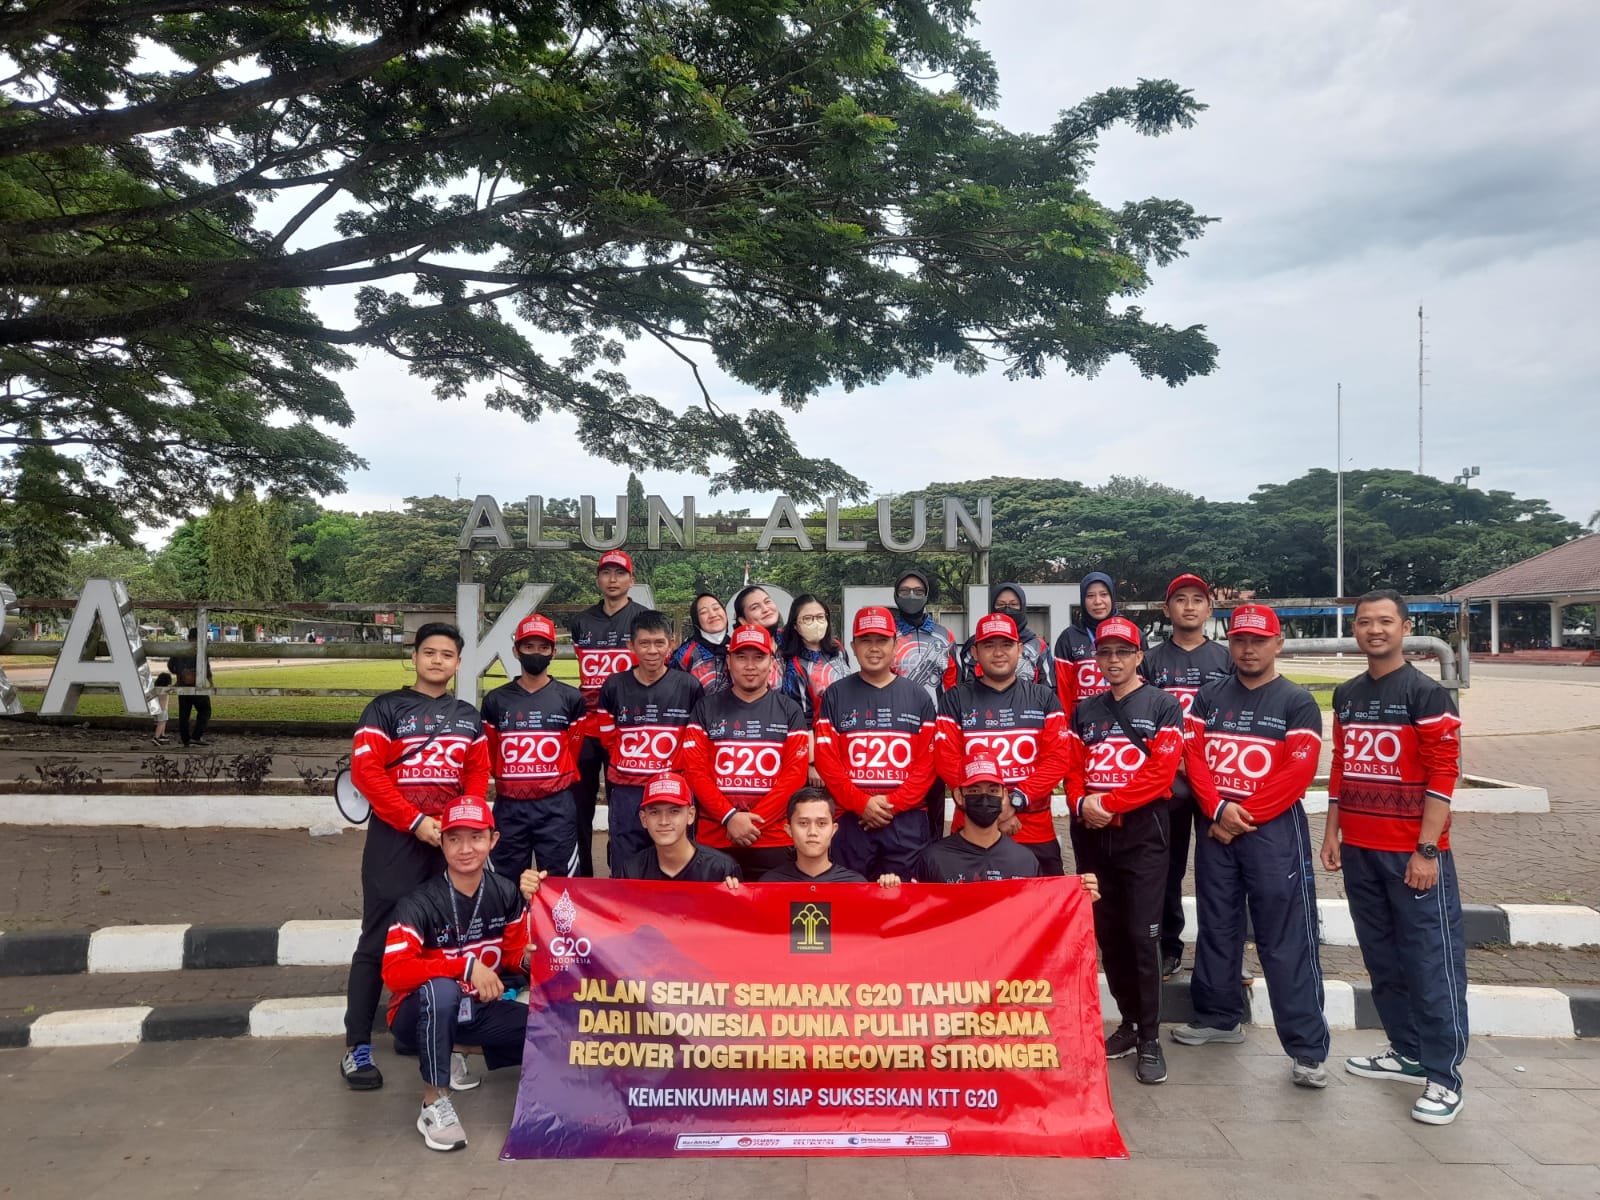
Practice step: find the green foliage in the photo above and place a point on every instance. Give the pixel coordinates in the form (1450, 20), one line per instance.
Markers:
(515, 192)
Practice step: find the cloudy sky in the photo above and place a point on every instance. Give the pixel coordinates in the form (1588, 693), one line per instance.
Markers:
(1362, 157)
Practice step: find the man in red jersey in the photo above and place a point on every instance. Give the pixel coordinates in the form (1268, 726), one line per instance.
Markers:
(600, 642)
(415, 750)
(1123, 748)
(442, 959)
(875, 735)
(1182, 665)
(1251, 754)
(1396, 758)
(643, 711)
(744, 753)
(1017, 723)
(535, 728)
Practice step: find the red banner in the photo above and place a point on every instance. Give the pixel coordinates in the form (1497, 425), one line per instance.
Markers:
(684, 1019)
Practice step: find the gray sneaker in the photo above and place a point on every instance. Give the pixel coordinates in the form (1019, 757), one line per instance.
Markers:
(1387, 1065)
(1310, 1073)
(1200, 1035)
(440, 1127)
(462, 1080)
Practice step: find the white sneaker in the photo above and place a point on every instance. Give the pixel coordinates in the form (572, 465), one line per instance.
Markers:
(462, 1080)
(1309, 1073)
(1387, 1064)
(440, 1127)
(1438, 1105)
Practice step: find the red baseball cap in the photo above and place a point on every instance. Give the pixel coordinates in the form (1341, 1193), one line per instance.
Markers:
(615, 558)
(1254, 619)
(1183, 581)
(535, 625)
(996, 625)
(1117, 629)
(467, 812)
(668, 788)
(873, 622)
(980, 768)
(751, 637)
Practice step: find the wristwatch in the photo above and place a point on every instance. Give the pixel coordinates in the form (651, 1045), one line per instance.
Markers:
(1428, 850)
(1019, 801)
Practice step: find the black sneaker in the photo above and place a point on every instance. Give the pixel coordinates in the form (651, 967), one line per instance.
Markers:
(359, 1071)
(1152, 1064)
(1123, 1041)
(1171, 964)
(199, 742)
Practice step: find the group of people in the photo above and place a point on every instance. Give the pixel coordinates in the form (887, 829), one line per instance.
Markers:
(758, 750)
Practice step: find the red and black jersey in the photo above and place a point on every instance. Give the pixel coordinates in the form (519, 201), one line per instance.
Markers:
(875, 741)
(744, 756)
(1396, 741)
(641, 724)
(810, 673)
(600, 640)
(1022, 728)
(438, 933)
(925, 653)
(1103, 759)
(534, 738)
(1256, 747)
(707, 663)
(413, 754)
(1182, 673)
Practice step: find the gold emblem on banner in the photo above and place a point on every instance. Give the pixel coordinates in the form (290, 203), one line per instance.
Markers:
(808, 927)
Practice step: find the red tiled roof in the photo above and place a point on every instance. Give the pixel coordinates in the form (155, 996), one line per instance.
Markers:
(1570, 569)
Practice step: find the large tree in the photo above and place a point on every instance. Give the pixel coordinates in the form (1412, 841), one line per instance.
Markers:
(503, 195)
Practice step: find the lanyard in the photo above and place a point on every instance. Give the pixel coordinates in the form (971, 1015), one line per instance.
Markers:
(455, 915)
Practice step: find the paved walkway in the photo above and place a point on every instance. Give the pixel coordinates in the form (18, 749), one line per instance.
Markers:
(252, 1118)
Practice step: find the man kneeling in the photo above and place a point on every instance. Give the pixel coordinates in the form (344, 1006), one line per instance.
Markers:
(446, 995)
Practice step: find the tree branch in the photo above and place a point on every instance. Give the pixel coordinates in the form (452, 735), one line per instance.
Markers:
(58, 133)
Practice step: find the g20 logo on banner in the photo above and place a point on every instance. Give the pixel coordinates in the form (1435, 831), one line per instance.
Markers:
(568, 948)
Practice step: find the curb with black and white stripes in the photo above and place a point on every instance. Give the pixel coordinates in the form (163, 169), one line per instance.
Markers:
(124, 948)
(1492, 1011)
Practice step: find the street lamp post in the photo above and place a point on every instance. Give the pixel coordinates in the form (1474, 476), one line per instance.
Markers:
(1338, 510)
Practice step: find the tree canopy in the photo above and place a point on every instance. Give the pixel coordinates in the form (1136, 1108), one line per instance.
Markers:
(802, 192)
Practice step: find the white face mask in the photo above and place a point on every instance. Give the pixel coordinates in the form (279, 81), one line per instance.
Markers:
(714, 639)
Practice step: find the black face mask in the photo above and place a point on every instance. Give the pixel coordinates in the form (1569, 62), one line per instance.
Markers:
(983, 811)
(1014, 613)
(911, 606)
(535, 664)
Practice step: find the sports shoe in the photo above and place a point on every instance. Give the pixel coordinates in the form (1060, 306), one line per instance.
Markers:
(440, 1127)
(1152, 1064)
(359, 1071)
(1438, 1105)
(1200, 1035)
(1123, 1041)
(462, 1080)
(159, 739)
(1386, 1065)
(198, 742)
(1308, 1072)
(1171, 964)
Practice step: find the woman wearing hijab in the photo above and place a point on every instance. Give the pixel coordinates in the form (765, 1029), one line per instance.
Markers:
(1077, 675)
(813, 657)
(704, 653)
(1037, 664)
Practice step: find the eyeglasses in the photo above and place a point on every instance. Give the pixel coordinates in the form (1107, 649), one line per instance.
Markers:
(1114, 652)
(912, 592)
